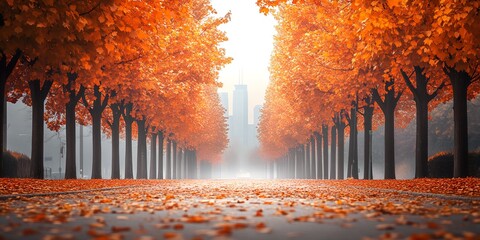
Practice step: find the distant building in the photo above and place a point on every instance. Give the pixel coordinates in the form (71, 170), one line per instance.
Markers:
(240, 114)
(256, 114)
(224, 101)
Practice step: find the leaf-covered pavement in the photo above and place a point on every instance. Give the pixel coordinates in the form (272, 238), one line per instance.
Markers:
(242, 209)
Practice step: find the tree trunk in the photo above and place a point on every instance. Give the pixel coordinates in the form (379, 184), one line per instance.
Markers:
(390, 143)
(74, 97)
(291, 163)
(160, 155)
(367, 126)
(185, 164)
(353, 148)
(319, 154)
(460, 82)
(128, 141)
(188, 158)
(153, 155)
(174, 159)
(117, 110)
(313, 165)
(168, 174)
(70, 162)
(333, 153)
(195, 164)
(307, 161)
(141, 150)
(325, 151)
(341, 145)
(5, 70)
(96, 110)
(116, 146)
(388, 108)
(180, 164)
(97, 144)
(421, 98)
(300, 163)
(38, 94)
(421, 148)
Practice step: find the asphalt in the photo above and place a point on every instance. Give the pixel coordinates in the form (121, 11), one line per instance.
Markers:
(239, 209)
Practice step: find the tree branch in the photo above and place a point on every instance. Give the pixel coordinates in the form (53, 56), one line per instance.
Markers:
(13, 61)
(81, 92)
(91, 10)
(47, 84)
(409, 83)
(128, 60)
(105, 102)
(435, 93)
(376, 97)
(85, 103)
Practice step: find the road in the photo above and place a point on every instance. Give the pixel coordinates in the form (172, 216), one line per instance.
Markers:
(240, 209)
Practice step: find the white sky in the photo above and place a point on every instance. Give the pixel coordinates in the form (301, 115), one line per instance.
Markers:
(250, 44)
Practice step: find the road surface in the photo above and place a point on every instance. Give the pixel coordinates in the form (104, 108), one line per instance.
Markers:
(240, 209)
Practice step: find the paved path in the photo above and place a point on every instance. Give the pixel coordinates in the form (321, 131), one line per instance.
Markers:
(239, 209)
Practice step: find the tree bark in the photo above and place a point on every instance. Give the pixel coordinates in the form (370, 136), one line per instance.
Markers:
(160, 154)
(153, 155)
(460, 81)
(38, 94)
(74, 97)
(127, 117)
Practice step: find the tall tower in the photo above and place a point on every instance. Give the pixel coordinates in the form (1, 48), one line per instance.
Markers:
(240, 112)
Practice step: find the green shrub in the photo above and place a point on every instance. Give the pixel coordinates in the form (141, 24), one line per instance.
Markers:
(15, 165)
(440, 165)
